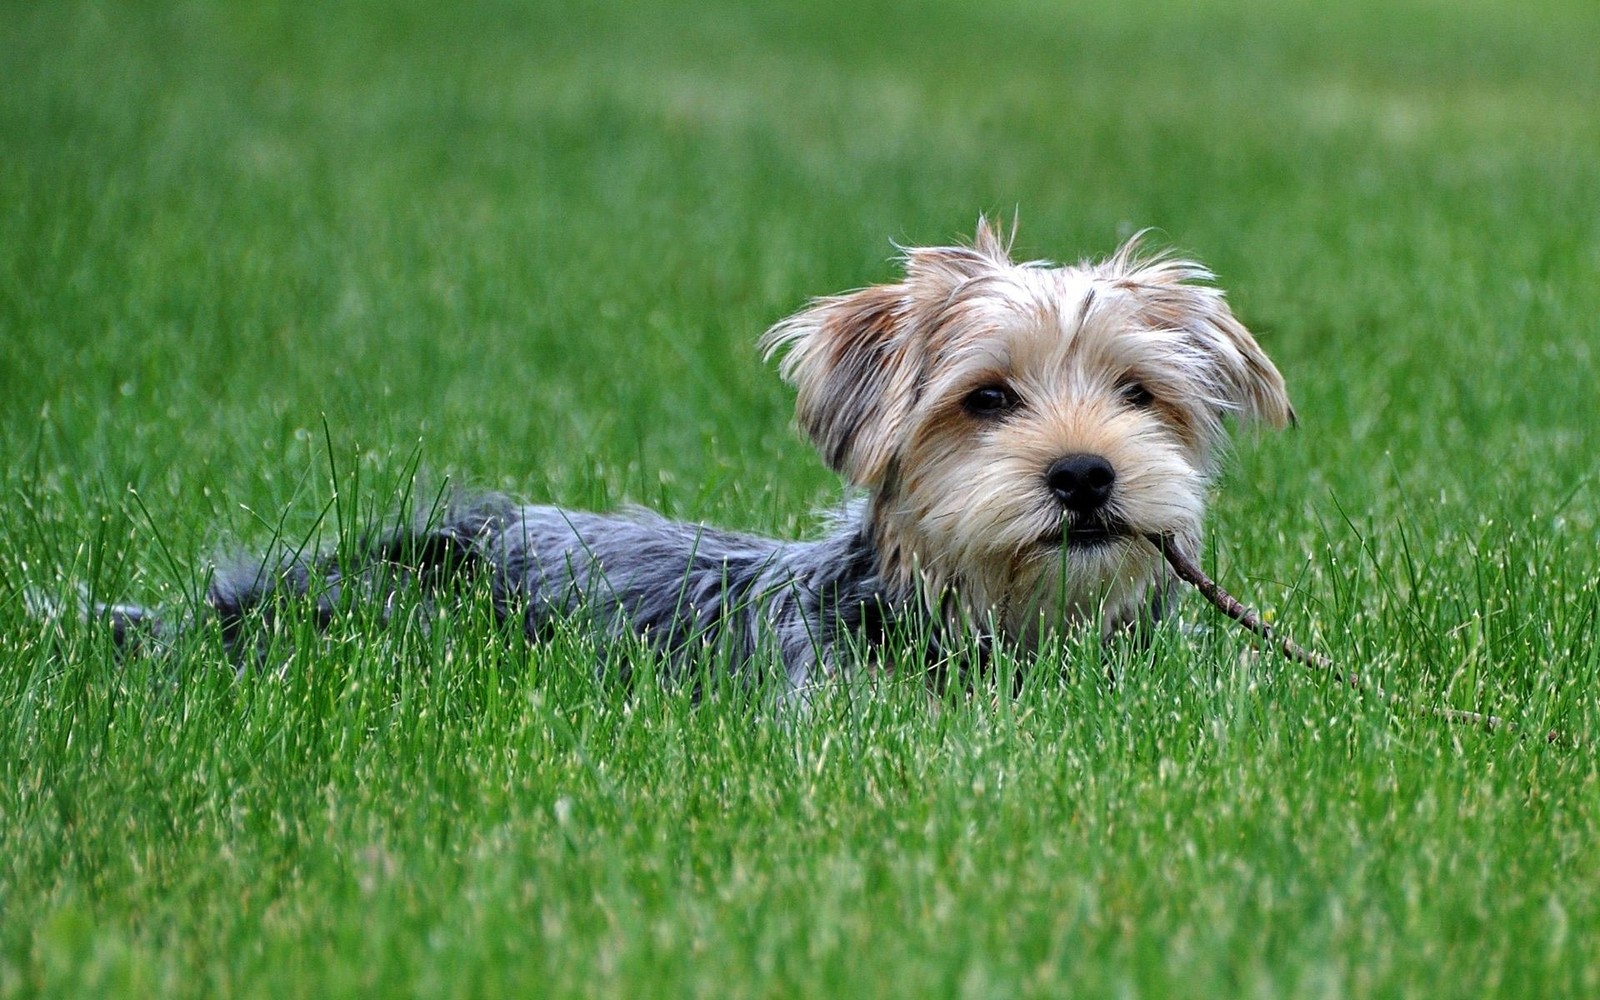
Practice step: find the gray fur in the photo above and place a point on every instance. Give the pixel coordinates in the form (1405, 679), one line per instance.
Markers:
(687, 590)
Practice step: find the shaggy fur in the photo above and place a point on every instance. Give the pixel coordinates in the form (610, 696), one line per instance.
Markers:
(1015, 433)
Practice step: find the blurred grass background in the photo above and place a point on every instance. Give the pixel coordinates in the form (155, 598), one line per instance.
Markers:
(530, 246)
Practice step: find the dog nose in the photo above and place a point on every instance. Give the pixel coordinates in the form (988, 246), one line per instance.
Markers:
(1081, 482)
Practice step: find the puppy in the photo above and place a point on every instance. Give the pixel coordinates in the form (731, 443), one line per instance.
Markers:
(1015, 434)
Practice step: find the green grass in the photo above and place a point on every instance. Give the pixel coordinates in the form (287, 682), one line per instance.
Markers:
(252, 255)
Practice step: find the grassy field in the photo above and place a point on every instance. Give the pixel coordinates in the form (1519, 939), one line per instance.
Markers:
(255, 258)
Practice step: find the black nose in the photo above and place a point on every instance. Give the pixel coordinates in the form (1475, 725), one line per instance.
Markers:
(1081, 482)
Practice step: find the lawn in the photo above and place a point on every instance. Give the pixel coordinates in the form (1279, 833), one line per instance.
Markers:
(280, 269)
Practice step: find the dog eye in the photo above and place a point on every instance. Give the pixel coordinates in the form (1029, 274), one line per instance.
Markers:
(991, 401)
(1137, 395)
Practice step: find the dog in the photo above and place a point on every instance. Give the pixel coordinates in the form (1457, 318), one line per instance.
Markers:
(1015, 437)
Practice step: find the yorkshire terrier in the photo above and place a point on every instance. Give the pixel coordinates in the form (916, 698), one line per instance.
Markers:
(1017, 436)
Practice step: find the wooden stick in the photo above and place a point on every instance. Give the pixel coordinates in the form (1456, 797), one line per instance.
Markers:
(1229, 605)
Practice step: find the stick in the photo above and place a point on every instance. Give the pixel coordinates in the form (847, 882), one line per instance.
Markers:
(1229, 605)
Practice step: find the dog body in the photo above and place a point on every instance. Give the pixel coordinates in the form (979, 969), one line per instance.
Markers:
(686, 589)
(1016, 434)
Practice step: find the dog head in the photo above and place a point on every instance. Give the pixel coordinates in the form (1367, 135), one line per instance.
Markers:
(1022, 428)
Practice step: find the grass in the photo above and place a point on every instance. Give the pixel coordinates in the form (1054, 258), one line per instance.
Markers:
(256, 257)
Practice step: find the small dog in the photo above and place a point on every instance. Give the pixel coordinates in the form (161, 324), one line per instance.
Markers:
(1017, 433)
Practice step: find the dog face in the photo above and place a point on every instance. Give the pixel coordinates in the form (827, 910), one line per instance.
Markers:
(1022, 429)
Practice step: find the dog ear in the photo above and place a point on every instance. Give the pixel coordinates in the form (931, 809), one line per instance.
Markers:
(1171, 293)
(1258, 385)
(854, 365)
(856, 359)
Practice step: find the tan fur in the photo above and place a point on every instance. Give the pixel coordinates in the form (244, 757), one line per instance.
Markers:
(960, 504)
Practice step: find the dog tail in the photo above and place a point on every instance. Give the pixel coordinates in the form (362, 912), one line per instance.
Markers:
(432, 552)
(132, 625)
